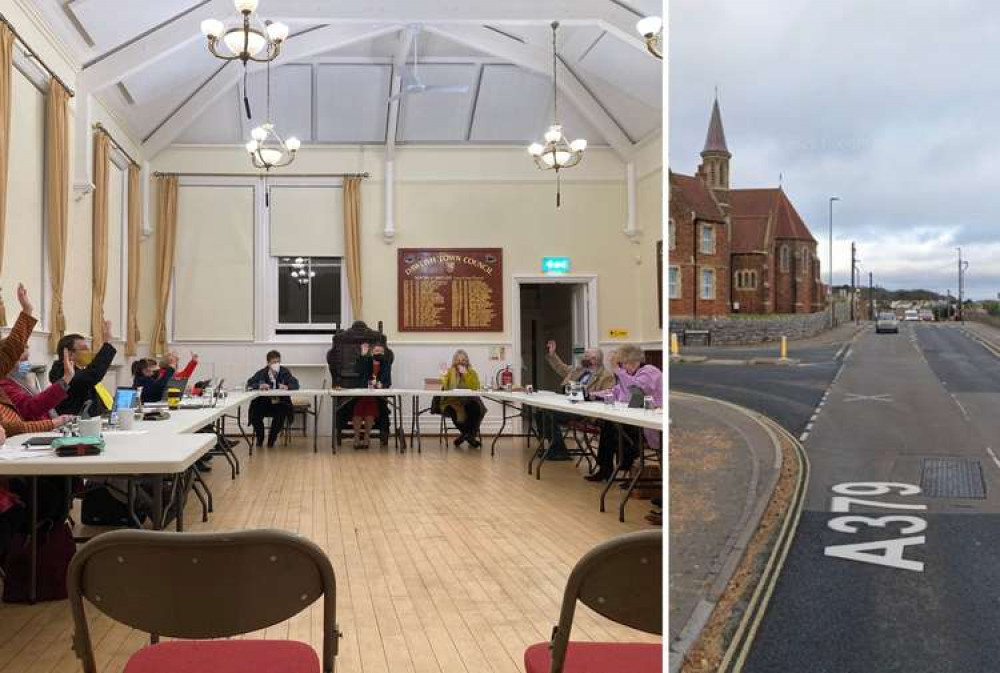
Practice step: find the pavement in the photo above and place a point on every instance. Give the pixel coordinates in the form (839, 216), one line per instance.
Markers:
(895, 565)
(724, 463)
(817, 349)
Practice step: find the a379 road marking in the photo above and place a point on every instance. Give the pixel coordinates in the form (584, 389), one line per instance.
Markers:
(881, 552)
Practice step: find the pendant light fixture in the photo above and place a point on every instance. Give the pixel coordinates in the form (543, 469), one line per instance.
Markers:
(556, 153)
(266, 146)
(651, 29)
(250, 40)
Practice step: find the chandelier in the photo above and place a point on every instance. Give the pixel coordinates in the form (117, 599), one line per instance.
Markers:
(266, 147)
(651, 29)
(249, 41)
(300, 273)
(557, 153)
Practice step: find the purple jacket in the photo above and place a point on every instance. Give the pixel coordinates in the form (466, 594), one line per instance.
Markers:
(647, 378)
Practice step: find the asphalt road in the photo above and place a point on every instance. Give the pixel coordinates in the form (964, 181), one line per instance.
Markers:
(909, 581)
(788, 394)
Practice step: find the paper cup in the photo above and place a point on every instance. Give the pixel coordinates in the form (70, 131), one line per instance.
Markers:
(90, 427)
(126, 419)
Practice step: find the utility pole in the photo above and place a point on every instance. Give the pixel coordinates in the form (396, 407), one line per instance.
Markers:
(871, 297)
(830, 297)
(854, 262)
(962, 266)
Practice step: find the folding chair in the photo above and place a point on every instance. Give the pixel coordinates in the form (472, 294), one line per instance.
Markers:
(200, 586)
(621, 579)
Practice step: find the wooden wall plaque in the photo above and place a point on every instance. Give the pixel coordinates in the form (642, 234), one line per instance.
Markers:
(450, 289)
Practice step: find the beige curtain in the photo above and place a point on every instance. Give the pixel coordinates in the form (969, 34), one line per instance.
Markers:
(57, 199)
(6, 74)
(166, 236)
(352, 242)
(99, 229)
(134, 229)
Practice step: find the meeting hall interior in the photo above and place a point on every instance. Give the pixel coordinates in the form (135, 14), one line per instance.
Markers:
(331, 336)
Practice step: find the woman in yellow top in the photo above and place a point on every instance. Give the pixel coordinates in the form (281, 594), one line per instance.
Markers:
(465, 412)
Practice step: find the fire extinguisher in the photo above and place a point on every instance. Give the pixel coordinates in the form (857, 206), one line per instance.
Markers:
(506, 378)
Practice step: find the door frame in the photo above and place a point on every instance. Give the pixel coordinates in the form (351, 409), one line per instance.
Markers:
(517, 280)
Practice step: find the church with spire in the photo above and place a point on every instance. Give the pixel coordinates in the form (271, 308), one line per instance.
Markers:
(736, 250)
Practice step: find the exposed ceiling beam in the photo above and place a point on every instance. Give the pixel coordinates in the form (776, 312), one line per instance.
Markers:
(150, 48)
(398, 61)
(298, 47)
(539, 60)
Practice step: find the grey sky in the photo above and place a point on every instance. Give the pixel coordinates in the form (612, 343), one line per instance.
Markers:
(893, 105)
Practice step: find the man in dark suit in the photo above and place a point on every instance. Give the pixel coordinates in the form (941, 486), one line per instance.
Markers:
(279, 408)
(90, 371)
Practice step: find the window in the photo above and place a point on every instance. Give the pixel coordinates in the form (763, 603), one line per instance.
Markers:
(672, 235)
(309, 294)
(783, 259)
(707, 239)
(746, 279)
(675, 282)
(708, 283)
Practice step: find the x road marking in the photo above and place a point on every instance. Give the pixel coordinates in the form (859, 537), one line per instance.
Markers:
(853, 397)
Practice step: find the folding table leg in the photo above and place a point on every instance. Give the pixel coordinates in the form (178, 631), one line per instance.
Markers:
(33, 535)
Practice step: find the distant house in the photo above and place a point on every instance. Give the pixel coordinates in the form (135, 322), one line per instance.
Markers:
(737, 250)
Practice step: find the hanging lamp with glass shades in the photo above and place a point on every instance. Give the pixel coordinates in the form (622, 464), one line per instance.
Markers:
(266, 146)
(651, 29)
(251, 39)
(557, 152)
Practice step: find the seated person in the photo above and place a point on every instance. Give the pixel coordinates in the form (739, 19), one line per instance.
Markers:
(632, 373)
(271, 377)
(152, 381)
(591, 374)
(465, 412)
(30, 404)
(376, 368)
(86, 385)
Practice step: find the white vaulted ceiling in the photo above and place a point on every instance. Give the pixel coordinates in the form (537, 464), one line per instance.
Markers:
(148, 62)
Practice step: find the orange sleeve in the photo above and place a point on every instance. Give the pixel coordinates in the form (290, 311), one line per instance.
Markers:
(13, 424)
(13, 346)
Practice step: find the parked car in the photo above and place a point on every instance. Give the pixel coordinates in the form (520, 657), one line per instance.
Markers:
(911, 314)
(926, 315)
(886, 322)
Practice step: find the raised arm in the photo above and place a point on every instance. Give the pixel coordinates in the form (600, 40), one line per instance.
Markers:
(13, 346)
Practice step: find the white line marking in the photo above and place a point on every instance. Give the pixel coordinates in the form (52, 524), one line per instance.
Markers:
(804, 436)
(809, 427)
(964, 412)
(993, 456)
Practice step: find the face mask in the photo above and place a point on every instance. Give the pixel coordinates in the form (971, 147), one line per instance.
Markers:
(275, 366)
(84, 358)
(23, 368)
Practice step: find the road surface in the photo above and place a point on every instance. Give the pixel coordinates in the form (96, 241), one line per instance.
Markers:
(909, 579)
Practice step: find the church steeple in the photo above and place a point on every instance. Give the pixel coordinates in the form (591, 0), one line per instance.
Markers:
(715, 157)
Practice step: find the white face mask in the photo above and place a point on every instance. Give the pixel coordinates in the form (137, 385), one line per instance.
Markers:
(274, 367)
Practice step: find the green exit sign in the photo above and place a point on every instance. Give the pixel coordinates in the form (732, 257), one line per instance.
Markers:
(555, 265)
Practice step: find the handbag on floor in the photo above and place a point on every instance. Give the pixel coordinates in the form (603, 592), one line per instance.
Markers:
(56, 548)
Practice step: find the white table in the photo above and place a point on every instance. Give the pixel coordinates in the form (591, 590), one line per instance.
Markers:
(316, 393)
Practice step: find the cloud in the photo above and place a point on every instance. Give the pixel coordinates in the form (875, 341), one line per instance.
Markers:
(894, 106)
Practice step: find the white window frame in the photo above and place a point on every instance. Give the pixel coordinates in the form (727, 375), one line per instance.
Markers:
(320, 328)
(702, 295)
(709, 229)
(783, 256)
(670, 286)
(671, 235)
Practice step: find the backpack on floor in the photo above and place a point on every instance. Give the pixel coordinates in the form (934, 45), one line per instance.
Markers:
(101, 508)
(56, 548)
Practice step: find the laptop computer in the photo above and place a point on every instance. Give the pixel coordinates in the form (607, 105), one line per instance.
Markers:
(125, 398)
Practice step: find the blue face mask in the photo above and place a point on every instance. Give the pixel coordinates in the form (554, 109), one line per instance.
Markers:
(23, 368)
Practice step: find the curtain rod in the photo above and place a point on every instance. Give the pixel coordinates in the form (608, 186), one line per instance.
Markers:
(102, 129)
(263, 175)
(34, 55)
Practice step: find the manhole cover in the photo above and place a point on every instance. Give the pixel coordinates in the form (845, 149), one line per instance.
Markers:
(952, 478)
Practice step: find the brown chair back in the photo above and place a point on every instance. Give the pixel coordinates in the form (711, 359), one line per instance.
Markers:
(621, 579)
(200, 585)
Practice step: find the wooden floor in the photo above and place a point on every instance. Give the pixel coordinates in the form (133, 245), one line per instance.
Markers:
(447, 561)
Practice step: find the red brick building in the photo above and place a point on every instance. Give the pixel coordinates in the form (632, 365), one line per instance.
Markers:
(737, 250)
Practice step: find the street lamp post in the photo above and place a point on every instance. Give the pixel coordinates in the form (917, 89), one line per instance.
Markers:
(833, 317)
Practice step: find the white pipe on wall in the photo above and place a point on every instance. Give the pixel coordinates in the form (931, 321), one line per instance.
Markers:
(631, 186)
(146, 187)
(389, 231)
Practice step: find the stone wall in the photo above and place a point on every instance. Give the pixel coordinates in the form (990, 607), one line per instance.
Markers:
(759, 329)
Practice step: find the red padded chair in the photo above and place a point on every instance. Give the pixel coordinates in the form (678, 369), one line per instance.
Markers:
(621, 579)
(198, 586)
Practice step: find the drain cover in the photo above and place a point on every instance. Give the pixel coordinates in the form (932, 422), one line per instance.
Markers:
(952, 478)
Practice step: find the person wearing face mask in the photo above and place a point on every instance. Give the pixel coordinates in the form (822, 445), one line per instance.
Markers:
(376, 369)
(90, 371)
(632, 375)
(271, 377)
(465, 412)
(147, 375)
(590, 374)
(23, 393)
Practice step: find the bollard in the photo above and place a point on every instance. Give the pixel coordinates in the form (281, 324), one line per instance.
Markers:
(784, 348)
(675, 347)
